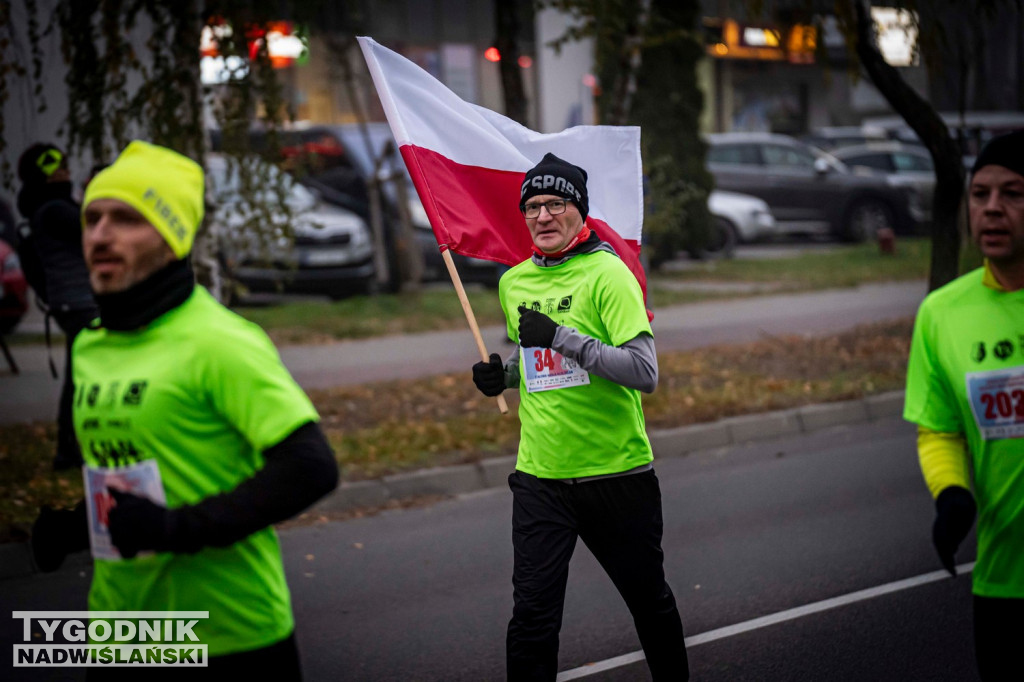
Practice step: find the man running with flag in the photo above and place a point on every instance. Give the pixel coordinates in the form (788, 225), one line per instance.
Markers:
(585, 352)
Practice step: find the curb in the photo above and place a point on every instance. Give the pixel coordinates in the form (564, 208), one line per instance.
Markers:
(16, 561)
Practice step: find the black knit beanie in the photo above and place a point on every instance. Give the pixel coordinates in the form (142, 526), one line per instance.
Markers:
(559, 178)
(39, 162)
(35, 167)
(1006, 151)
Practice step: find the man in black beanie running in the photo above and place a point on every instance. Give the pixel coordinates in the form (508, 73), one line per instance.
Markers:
(585, 353)
(965, 391)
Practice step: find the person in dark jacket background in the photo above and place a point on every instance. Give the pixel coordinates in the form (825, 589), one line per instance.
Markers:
(50, 247)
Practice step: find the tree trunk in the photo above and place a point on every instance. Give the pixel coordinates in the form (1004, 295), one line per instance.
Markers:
(507, 41)
(934, 134)
(630, 60)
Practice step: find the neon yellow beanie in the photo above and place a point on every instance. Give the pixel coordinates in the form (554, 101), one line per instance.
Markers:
(161, 184)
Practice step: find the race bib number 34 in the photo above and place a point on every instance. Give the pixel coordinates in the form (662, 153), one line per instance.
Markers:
(547, 369)
(997, 401)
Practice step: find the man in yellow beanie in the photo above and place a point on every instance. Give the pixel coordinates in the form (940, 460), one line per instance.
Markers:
(195, 437)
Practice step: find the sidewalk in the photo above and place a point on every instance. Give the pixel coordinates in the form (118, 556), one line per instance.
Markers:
(33, 394)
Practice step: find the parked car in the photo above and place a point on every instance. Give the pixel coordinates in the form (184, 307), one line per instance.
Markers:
(738, 218)
(903, 165)
(350, 139)
(338, 161)
(808, 190)
(972, 128)
(13, 289)
(331, 253)
(830, 138)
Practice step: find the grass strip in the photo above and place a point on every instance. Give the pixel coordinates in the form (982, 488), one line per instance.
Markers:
(845, 266)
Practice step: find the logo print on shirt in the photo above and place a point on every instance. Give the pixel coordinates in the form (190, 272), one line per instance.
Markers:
(1003, 349)
(133, 396)
(113, 453)
(565, 305)
(93, 395)
(978, 351)
(112, 394)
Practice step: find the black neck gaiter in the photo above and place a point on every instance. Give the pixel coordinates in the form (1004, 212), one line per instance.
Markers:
(139, 305)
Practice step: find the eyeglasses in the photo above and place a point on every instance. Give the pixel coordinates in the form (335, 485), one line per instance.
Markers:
(554, 207)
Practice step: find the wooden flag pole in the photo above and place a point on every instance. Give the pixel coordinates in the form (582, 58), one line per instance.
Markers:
(446, 254)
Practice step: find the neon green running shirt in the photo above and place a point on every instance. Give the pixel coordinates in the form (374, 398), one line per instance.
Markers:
(201, 392)
(966, 375)
(579, 430)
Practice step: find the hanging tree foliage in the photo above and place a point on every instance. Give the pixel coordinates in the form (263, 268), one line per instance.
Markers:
(646, 53)
(133, 70)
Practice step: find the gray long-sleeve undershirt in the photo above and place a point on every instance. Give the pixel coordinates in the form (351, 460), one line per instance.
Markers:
(634, 364)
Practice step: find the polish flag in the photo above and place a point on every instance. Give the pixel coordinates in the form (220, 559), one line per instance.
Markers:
(468, 164)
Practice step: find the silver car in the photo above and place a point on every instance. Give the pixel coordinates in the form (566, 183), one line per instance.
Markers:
(317, 249)
(903, 165)
(738, 218)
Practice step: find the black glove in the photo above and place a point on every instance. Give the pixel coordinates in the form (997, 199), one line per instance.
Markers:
(955, 514)
(489, 376)
(536, 330)
(57, 533)
(137, 523)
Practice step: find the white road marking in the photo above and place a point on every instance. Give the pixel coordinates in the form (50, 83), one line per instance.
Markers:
(773, 619)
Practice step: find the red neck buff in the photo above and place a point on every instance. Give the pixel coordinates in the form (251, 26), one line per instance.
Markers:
(581, 236)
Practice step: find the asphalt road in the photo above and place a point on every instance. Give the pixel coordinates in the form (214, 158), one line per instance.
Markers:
(750, 531)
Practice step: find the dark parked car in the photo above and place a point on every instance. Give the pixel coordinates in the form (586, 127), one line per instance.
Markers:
(338, 161)
(349, 139)
(808, 190)
(903, 165)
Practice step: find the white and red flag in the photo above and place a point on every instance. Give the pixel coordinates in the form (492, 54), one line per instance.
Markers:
(468, 164)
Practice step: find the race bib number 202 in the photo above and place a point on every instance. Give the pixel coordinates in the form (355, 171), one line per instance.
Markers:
(997, 401)
(547, 369)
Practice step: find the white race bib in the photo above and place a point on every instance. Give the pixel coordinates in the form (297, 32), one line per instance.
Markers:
(997, 401)
(547, 369)
(142, 479)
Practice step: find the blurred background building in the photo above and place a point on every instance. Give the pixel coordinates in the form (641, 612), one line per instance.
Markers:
(789, 75)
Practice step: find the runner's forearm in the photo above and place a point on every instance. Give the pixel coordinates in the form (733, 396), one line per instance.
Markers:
(634, 364)
(943, 458)
(297, 472)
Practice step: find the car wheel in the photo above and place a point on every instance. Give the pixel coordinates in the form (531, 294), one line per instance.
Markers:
(865, 219)
(722, 243)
